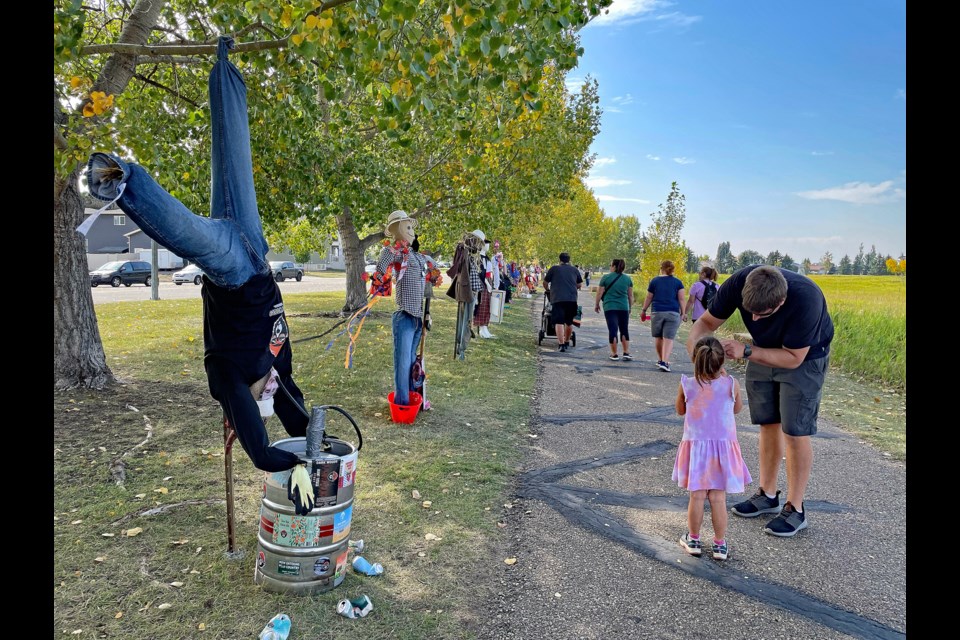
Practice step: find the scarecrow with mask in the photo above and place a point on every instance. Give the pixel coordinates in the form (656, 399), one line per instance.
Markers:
(409, 270)
(247, 354)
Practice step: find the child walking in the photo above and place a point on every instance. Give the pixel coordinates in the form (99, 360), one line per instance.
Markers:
(709, 463)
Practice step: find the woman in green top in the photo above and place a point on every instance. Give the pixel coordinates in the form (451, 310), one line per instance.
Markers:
(615, 291)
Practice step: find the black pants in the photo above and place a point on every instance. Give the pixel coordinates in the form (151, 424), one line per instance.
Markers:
(241, 410)
(617, 323)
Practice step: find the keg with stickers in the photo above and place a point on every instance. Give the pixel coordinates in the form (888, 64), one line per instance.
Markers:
(305, 554)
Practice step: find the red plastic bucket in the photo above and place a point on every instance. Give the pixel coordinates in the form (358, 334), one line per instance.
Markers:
(405, 413)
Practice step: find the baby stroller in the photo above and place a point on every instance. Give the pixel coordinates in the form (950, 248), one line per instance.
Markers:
(547, 327)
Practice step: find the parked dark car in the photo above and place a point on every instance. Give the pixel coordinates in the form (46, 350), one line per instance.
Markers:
(283, 270)
(121, 272)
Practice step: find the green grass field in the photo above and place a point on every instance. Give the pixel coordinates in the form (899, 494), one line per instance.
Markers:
(870, 323)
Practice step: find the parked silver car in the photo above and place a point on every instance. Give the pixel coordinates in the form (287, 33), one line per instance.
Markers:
(191, 273)
(283, 270)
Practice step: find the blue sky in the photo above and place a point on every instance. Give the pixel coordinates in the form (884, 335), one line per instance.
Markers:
(783, 123)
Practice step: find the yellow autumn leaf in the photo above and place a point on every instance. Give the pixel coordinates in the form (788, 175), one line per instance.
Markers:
(468, 20)
(297, 38)
(325, 23)
(286, 18)
(312, 21)
(186, 175)
(134, 532)
(75, 82)
(510, 561)
(119, 615)
(88, 110)
(201, 626)
(446, 18)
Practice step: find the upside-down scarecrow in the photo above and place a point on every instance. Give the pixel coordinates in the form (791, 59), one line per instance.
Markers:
(247, 354)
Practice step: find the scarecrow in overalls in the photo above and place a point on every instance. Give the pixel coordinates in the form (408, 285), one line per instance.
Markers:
(247, 353)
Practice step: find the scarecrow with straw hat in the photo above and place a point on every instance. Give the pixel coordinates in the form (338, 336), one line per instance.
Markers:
(409, 270)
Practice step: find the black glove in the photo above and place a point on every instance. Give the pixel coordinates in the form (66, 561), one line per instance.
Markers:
(300, 490)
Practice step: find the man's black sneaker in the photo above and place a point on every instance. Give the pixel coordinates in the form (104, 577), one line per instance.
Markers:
(787, 523)
(666, 367)
(563, 348)
(691, 546)
(614, 357)
(627, 357)
(756, 504)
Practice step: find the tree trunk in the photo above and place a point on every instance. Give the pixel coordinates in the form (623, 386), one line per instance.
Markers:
(353, 249)
(78, 358)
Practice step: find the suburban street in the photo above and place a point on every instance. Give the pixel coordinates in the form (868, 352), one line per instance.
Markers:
(170, 291)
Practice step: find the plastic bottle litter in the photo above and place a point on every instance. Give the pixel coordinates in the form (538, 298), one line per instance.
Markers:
(361, 565)
(356, 545)
(356, 608)
(277, 629)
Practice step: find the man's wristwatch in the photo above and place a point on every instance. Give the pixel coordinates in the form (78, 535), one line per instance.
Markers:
(747, 351)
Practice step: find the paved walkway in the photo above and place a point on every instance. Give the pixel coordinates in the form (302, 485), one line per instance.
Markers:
(596, 521)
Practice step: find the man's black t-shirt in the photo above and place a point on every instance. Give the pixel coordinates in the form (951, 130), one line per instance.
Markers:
(246, 327)
(563, 279)
(802, 321)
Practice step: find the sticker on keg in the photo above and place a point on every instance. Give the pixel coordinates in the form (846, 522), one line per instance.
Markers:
(296, 531)
(324, 479)
(288, 568)
(261, 559)
(348, 470)
(263, 490)
(341, 524)
(341, 569)
(321, 565)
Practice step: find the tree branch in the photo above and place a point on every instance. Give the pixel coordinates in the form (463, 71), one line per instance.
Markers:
(169, 59)
(181, 49)
(156, 84)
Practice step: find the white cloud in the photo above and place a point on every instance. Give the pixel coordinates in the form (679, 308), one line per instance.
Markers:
(652, 157)
(600, 182)
(683, 160)
(600, 162)
(574, 84)
(902, 93)
(821, 153)
(857, 193)
(605, 198)
(613, 110)
(622, 100)
(624, 12)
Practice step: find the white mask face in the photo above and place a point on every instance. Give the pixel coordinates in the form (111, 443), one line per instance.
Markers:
(405, 230)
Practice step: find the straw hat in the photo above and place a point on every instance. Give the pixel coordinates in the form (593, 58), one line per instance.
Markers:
(397, 216)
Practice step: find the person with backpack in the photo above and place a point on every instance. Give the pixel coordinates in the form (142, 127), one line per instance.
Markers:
(702, 294)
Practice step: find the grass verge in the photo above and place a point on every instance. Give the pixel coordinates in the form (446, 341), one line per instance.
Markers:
(163, 429)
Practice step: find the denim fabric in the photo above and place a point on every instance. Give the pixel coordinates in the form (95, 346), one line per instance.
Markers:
(229, 245)
(406, 341)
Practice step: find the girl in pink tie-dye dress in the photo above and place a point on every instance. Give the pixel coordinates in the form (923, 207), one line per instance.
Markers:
(709, 463)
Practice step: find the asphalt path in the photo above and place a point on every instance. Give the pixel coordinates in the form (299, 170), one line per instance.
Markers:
(595, 520)
(169, 291)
